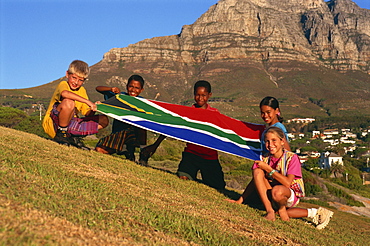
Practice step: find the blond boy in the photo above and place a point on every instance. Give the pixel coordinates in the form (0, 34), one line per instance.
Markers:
(62, 120)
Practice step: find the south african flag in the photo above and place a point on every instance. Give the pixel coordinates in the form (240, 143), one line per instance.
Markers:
(198, 126)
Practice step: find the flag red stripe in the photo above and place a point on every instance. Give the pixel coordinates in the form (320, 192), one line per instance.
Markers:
(243, 129)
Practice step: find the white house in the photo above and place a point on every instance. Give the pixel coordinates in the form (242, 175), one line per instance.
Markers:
(301, 120)
(345, 130)
(350, 135)
(347, 141)
(327, 159)
(349, 148)
(331, 141)
(315, 133)
(291, 136)
(331, 132)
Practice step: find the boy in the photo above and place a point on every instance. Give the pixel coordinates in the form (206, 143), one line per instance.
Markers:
(61, 121)
(123, 133)
(195, 157)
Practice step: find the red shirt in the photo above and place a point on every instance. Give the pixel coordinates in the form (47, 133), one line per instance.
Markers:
(205, 153)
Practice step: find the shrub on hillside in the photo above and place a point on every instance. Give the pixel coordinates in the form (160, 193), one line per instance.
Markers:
(342, 194)
(10, 117)
(32, 125)
(312, 189)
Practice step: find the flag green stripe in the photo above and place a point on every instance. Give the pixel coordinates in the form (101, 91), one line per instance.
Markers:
(161, 117)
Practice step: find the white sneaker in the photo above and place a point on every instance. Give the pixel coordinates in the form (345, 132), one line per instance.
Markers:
(322, 218)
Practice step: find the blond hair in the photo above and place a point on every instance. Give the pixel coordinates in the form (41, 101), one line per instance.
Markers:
(275, 130)
(80, 68)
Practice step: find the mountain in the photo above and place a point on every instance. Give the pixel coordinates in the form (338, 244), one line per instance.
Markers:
(314, 56)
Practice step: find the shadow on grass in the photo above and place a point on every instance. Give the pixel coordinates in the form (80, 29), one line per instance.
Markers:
(226, 192)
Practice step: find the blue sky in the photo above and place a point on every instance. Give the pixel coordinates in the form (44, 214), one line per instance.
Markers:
(39, 38)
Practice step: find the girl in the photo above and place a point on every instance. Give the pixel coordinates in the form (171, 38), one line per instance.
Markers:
(279, 184)
(270, 113)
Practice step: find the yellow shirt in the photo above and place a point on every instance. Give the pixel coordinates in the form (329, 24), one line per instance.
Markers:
(80, 107)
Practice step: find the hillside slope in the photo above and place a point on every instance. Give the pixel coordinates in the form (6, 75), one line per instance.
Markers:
(57, 195)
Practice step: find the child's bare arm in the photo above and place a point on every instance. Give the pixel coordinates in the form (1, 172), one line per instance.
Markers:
(107, 88)
(150, 150)
(72, 96)
(284, 180)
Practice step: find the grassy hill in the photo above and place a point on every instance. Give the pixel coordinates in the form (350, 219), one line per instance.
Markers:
(57, 195)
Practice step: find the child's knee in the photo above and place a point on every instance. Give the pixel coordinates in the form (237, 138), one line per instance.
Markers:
(103, 121)
(280, 193)
(66, 104)
(258, 172)
(184, 175)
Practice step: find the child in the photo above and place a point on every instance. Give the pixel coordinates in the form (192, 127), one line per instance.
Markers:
(61, 121)
(123, 133)
(279, 184)
(270, 113)
(195, 157)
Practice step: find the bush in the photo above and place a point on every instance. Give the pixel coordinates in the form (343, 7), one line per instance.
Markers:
(317, 202)
(31, 125)
(312, 189)
(342, 194)
(10, 117)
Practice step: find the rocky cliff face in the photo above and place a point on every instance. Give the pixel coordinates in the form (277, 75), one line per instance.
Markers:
(299, 51)
(334, 34)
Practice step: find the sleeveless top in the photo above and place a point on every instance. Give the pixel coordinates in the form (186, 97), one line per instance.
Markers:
(282, 166)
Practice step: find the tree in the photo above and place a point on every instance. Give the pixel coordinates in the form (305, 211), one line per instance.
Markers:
(337, 169)
(308, 149)
(359, 152)
(311, 163)
(319, 144)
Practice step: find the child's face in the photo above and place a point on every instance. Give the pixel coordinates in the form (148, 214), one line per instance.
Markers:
(274, 144)
(134, 88)
(74, 81)
(269, 115)
(201, 97)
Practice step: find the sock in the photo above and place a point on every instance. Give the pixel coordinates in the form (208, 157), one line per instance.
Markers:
(311, 212)
(63, 128)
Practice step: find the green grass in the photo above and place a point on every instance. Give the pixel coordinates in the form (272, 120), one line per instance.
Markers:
(57, 195)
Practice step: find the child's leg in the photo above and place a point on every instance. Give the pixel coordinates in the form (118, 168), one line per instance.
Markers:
(187, 168)
(130, 152)
(62, 114)
(280, 195)
(297, 212)
(251, 188)
(212, 174)
(104, 150)
(66, 111)
(103, 122)
(283, 213)
(262, 186)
